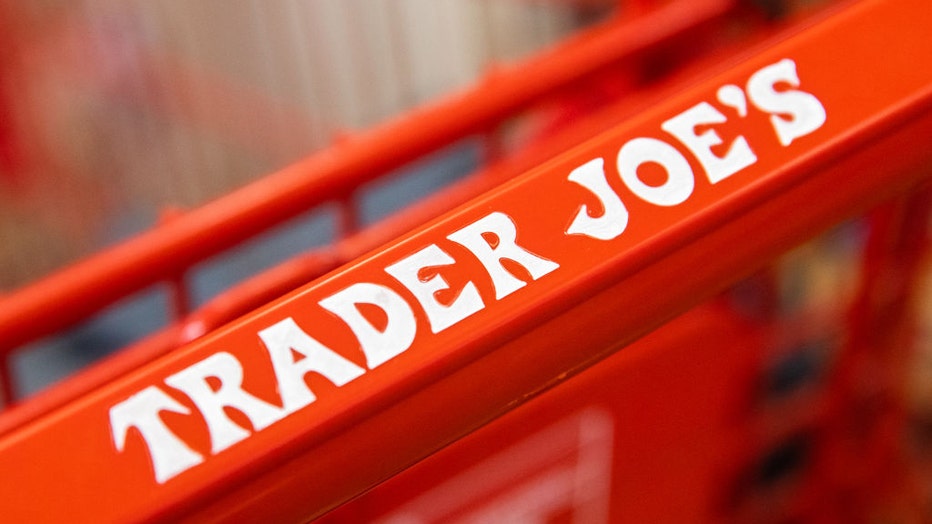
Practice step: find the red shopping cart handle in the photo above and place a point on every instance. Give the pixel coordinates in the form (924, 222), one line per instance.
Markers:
(330, 389)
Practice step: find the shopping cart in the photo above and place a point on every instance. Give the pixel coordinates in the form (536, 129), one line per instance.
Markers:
(434, 366)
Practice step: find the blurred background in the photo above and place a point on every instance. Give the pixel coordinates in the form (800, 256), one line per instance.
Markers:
(115, 114)
(112, 111)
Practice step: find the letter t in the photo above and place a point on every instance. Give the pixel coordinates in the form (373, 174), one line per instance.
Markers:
(170, 455)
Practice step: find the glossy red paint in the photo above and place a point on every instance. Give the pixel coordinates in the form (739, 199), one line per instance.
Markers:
(859, 64)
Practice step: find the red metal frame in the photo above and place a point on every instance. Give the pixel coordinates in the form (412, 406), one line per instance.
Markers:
(449, 382)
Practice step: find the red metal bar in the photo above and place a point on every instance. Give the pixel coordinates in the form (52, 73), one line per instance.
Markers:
(96, 282)
(7, 388)
(602, 295)
(179, 295)
(180, 299)
(348, 219)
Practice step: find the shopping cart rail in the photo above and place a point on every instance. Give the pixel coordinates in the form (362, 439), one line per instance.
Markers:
(324, 392)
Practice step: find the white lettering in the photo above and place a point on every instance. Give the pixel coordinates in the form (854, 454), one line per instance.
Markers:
(680, 182)
(491, 251)
(211, 402)
(379, 346)
(441, 316)
(614, 219)
(170, 455)
(215, 384)
(794, 113)
(280, 340)
(683, 127)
